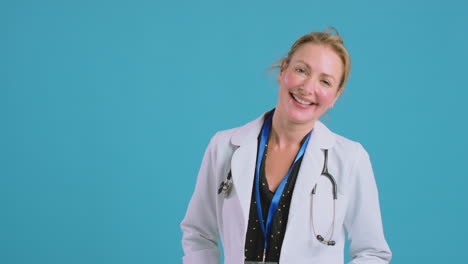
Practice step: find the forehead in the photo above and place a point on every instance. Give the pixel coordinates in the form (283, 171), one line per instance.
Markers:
(319, 58)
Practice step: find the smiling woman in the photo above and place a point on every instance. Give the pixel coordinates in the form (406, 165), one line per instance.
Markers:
(309, 83)
(260, 188)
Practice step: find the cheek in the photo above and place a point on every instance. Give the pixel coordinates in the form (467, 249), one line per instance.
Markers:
(289, 79)
(326, 97)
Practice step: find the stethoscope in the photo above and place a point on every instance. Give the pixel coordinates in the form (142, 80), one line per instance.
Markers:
(226, 186)
(320, 238)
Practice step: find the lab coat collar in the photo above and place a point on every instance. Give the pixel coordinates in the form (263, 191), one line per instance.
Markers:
(248, 133)
(244, 159)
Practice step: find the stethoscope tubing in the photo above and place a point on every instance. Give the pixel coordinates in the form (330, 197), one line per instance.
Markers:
(320, 238)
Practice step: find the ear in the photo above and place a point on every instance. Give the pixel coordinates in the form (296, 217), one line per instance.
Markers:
(281, 71)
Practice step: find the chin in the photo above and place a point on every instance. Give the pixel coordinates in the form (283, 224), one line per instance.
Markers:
(300, 117)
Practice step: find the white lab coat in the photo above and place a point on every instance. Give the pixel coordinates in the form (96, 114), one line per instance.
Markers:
(211, 216)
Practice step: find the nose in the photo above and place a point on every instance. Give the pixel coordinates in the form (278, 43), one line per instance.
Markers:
(308, 87)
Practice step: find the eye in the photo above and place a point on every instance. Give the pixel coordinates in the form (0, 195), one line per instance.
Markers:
(326, 83)
(300, 70)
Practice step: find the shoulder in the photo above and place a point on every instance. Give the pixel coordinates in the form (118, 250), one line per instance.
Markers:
(238, 135)
(224, 143)
(224, 136)
(348, 144)
(351, 162)
(348, 149)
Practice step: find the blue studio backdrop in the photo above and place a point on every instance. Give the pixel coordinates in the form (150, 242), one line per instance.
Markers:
(106, 108)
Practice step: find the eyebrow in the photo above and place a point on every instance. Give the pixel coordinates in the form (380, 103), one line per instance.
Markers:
(308, 67)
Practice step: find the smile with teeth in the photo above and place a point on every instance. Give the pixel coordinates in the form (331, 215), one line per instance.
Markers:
(302, 102)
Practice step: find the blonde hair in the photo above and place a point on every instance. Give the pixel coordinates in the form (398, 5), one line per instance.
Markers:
(332, 40)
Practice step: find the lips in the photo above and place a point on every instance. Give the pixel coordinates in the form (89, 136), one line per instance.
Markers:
(301, 100)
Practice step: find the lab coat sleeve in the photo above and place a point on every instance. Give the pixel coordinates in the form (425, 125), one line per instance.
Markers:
(200, 230)
(363, 220)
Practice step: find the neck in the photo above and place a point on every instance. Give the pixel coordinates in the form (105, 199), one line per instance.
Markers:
(285, 134)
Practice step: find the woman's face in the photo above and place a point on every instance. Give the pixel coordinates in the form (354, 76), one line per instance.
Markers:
(309, 84)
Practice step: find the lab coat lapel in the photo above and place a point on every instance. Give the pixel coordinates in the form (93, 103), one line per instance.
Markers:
(311, 168)
(243, 162)
(243, 169)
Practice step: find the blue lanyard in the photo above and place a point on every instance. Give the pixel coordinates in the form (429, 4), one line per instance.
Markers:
(275, 201)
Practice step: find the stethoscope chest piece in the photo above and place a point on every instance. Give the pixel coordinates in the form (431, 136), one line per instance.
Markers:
(226, 186)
